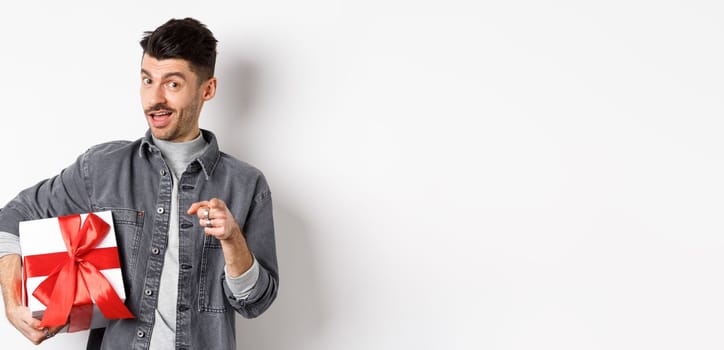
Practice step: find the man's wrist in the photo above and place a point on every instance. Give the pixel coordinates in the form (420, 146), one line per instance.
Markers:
(238, 265)
(237, 256)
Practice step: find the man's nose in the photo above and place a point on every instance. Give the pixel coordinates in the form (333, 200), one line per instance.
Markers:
(157, 95)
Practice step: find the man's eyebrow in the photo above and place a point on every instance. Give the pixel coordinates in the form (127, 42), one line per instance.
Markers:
(167, 75)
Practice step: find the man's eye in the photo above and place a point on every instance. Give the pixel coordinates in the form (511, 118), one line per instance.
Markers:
(147, 81)
(173, 84)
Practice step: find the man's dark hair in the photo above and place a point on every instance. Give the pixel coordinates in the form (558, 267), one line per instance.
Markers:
(186, 39)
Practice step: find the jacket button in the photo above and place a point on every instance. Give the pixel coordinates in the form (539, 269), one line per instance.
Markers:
(148, 292)
(163, 172)
(155, 251)
(159, 210)
(140, 334)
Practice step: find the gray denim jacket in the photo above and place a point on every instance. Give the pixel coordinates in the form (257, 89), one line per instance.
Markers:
(132, 180)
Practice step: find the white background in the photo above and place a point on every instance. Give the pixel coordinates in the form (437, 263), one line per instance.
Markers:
(446, 174)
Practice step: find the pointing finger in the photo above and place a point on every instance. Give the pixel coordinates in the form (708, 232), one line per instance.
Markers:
(196, 206)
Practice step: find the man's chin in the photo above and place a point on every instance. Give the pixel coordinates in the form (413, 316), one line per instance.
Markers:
(164, 135)
(174, 135)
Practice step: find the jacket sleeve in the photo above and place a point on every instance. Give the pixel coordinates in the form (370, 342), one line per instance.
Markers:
(63, 194)
(259, 233)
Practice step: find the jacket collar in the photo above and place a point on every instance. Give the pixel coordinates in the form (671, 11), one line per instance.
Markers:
(208, 160)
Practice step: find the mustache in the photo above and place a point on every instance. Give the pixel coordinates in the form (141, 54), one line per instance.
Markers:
(158, 107)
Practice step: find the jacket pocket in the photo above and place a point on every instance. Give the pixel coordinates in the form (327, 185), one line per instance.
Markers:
(211, 288)
(128, 224)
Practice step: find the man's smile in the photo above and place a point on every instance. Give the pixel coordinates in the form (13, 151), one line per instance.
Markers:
(160, 114)
(160, 118)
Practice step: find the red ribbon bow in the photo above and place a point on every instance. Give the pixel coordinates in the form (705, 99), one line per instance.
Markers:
(74, 277)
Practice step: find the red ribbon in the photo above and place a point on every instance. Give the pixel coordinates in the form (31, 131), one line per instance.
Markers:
(78, 271)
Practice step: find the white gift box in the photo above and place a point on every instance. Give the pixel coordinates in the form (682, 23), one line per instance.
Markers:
(39, 237)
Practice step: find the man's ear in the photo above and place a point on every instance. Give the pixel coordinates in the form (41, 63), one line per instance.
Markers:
(209, 89)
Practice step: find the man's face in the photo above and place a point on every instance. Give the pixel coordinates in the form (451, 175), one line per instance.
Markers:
(172, 97)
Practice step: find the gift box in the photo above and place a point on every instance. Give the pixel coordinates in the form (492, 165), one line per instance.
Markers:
(72, 271)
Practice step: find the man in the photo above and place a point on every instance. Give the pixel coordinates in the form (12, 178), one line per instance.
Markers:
(194, 225)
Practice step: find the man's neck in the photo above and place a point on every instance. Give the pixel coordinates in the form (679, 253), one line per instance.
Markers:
(178, 155)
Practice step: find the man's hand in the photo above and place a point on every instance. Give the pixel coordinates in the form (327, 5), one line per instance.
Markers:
(217, 221)
(21, 317)
(215, 218)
